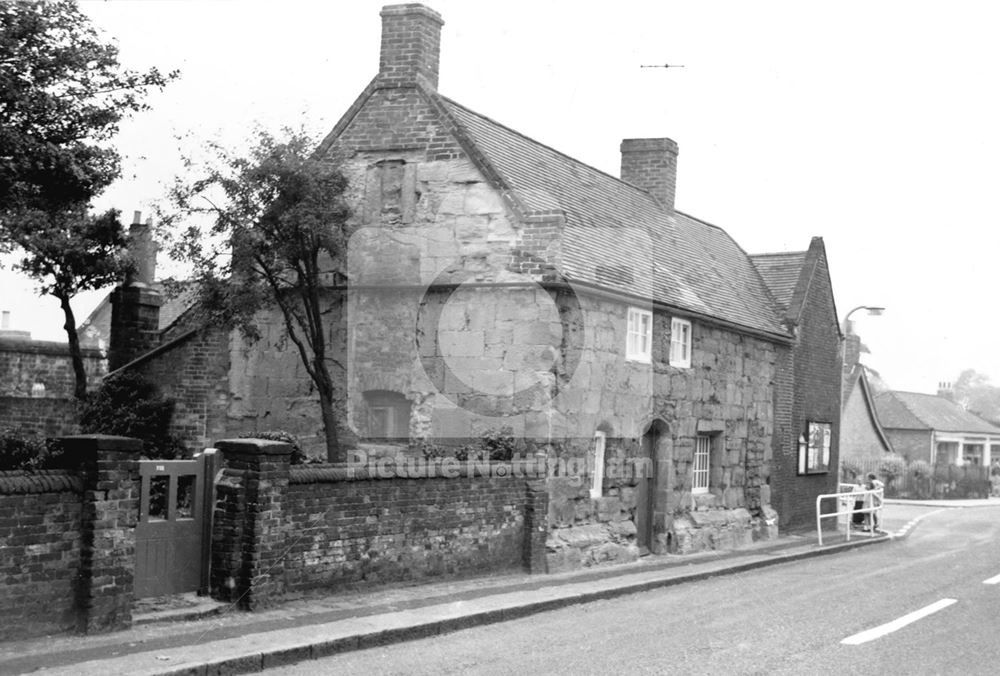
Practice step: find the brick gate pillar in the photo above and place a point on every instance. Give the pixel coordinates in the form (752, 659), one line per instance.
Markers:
(249, 533)
(109, 468)
(536, 527)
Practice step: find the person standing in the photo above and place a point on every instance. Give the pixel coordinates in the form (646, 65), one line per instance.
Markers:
(873, 500)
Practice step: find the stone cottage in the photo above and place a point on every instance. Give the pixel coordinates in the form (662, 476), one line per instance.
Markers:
(496, 284)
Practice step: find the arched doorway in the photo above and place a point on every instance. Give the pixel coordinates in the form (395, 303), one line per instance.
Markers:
(645, 494)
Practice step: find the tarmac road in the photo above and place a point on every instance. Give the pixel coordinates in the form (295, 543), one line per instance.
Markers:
(929, 604)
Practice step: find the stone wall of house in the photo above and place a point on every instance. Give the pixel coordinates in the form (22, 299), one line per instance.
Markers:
(39, 552)
(552, 370)
(911, 444)
(37, 385)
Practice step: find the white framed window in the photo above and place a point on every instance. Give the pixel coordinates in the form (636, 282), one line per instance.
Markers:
(639, 341)
(597, 476)
(680, 343)
(814, 448)
(702, 455)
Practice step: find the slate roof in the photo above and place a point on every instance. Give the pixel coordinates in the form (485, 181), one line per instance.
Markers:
(174, 305)
(916, 411)
(672, 258)
(781, 273)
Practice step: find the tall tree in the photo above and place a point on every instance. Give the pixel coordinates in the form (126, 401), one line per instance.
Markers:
(69, 251)
(975, 393)
(276, 239)
(62, 96)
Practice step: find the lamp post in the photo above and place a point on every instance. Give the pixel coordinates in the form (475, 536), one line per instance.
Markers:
(873, 310)
(850, 347)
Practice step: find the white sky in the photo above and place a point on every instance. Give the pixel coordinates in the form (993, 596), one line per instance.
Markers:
(871, 124)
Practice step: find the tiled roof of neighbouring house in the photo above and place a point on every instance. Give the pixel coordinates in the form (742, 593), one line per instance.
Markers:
(916, 411)
(610, 224)
(781, 273)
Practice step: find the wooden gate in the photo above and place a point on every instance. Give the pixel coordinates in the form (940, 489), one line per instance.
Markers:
(173, 535)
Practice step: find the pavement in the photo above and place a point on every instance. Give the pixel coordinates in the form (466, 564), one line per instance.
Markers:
(195, 635)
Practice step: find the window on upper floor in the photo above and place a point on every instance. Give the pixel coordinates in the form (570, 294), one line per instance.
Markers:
(597, 477)
(680, 343)
(639, 340)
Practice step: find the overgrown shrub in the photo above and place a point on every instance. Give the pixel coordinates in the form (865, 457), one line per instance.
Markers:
(495, 444)
(891, 468)
(849, 471)
(19, 450)
(921, 469)
(299, 456)
(128, 405)
(501, 444)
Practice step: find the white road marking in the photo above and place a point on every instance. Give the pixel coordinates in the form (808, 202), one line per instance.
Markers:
(993, 580)
(889, 627)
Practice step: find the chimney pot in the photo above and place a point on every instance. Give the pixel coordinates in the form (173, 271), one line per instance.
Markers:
(651, 164)
(411, 44)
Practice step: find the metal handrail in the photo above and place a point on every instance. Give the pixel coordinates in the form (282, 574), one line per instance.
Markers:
(851, 496)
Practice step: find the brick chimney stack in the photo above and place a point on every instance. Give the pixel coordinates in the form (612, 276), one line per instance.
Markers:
(411, 44)
(135, 305)
(852, 351)
(651, 164)
(946, 390)
(142, 248)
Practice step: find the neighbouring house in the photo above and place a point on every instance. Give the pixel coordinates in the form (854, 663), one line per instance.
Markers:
(862, 436)
(496, 284)
(95, 330)
(937, 430)
(37, 382)
(807, 394)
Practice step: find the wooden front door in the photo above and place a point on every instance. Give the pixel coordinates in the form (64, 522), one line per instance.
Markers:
(645, 492)
(171, 531)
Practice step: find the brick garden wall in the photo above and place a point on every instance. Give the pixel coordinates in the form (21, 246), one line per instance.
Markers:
(325, 526)
(383, 530)
(51, 411)
(48, 417)
(40, 537)
(67, 540)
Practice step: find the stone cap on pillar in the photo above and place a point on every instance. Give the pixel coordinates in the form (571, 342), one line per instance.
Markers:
(253, 447)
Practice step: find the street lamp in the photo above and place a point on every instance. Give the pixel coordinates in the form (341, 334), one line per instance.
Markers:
(873, 310)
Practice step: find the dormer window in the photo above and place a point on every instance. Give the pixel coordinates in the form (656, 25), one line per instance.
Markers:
(639, 341)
